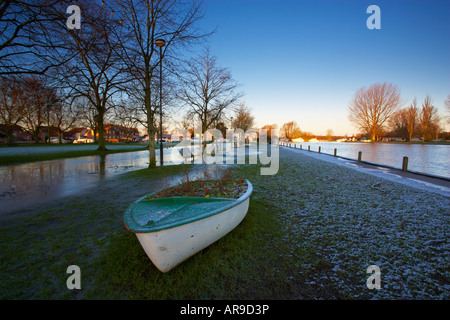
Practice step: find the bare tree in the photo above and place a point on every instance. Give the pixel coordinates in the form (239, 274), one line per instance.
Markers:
(371, 107)
(86, 114)
(27, 45)
(270, 128)
(436, 126)
(243, 118)
(398, 123)
(136, 106)
(291, 130)
(37, 97)
(428, 118)
(11, 108)
(149, 20)
(126, 116)
(209, 90)
(64, 117)
(96, 72)
(411, 119)
(187, 123)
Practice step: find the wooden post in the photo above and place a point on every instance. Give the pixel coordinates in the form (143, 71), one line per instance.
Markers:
(335, 152)
(319, 149)
(359, 156)
(300, 147)
(405, 164)
(309, 148)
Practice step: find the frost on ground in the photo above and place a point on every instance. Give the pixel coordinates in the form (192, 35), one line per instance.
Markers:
(339, 221)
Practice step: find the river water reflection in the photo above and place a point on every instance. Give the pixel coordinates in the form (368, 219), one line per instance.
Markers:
(22, 184)
(431, 159)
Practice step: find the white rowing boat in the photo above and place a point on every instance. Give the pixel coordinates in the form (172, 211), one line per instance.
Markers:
(175, 228)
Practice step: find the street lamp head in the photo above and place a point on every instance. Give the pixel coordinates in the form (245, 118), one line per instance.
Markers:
(160, 43)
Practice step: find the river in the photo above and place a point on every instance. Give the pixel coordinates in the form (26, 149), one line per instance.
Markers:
(425, 158)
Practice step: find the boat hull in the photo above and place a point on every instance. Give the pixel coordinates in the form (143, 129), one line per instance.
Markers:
(169, 247)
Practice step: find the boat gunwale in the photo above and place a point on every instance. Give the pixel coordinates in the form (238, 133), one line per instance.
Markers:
(143, 229)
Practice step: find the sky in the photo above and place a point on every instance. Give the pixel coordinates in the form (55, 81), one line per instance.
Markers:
(303, 60)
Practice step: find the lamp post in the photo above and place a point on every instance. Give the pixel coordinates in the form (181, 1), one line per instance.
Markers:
(160, 43)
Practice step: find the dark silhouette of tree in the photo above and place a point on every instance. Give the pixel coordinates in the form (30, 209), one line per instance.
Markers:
(11, 107)
(27, 44)
(149, 20)
(96, 72)
(208, 90)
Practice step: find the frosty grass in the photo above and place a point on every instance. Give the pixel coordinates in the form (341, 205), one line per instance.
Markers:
(339, 221)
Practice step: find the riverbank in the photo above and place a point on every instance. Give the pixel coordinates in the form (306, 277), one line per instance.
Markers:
(424, 158)
(310, 233)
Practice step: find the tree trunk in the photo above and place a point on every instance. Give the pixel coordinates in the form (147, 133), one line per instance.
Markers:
(10, 136)
(151, 148)
(101, 134)
(150, 114)
(36, 136)
(151, 140)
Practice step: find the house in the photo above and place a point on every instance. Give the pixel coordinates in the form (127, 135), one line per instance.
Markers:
(76, 134)
(116, 133)
(46, 133)
(393, 139)
(19, 134)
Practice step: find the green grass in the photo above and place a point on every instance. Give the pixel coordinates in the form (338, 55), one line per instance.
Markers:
(241, 265)
(155, 173)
